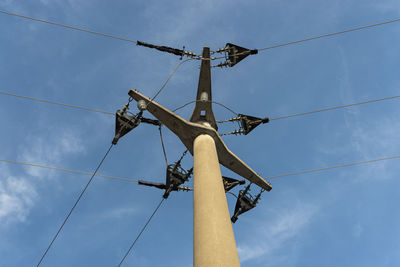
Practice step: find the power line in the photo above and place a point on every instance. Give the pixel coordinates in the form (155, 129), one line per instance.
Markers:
(73, 207)
(222, 105)
(331, 34)
(313, 38)
(131, 180)
(67, 170)
(336, 107)
(170, 76)
(191, 102)
(101, 162)
(57, 103)
(261, 49)
(214, 102)
(333, 167)
(144, 227)
(162, 145)
(91, 109)
(184, 105)
(69, 27)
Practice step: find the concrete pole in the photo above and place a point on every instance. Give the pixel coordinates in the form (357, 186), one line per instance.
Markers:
(213, 239)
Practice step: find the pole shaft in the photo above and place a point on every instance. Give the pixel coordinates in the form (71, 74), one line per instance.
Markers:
(214, 242)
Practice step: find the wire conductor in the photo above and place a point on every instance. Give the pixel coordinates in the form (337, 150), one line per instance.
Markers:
(73, 207)
(67, 170)
(141, 232)
(69, 27)
(333, 167)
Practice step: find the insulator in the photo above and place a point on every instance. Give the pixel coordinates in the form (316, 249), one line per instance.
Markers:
(189, 53)
(234, 132)
(141, 104)
(222, 64)
(221, 50)
(234, 119)
(185, 188)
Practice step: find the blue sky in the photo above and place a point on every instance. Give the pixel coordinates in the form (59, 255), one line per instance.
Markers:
(340, 217)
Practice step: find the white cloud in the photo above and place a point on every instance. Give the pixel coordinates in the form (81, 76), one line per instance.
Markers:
(44, 2)
(17, 196)
(119, 213)
(377, 137)
(358, 230)
(270, 240)
(189, 18)
(366, 133)
(50, 151)
(386, 6)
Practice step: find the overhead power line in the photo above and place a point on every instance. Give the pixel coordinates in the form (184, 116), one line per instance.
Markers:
(214, 102)
(162, 145)
(331, 34)
(336, 107)
(73, 207)
(332, 167)
(144, 227)
(69, 27)
(170, 76)
(91, 109)
(191, 102)
(261, 49)
(68, 170)
(131, 180)
(247, 52)
(56, 103)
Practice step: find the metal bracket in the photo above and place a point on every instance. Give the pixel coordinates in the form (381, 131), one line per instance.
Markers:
(247, 123)
(230, 183)
(125, 123)
(244, 203)
(176, 176)
(188, 131)
(235, 54)
(203, 110)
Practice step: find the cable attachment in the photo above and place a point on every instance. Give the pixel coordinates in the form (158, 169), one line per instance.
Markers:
(247, 123)
(230, 183)
(222, 65)
(124, 123)
(176, 176)
(163, 186)
(245, 202)
(167, 49)
(234, 54)
(236, 132)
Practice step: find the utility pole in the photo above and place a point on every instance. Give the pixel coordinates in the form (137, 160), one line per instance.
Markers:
(213, 238)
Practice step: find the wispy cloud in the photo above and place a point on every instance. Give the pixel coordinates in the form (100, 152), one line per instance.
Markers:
(49, 150)
(358, 230)
(17, 196)
(119, 213)
(387, 6)
(285, 228)
(193, 14)
(18, 193)
(365, 134)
